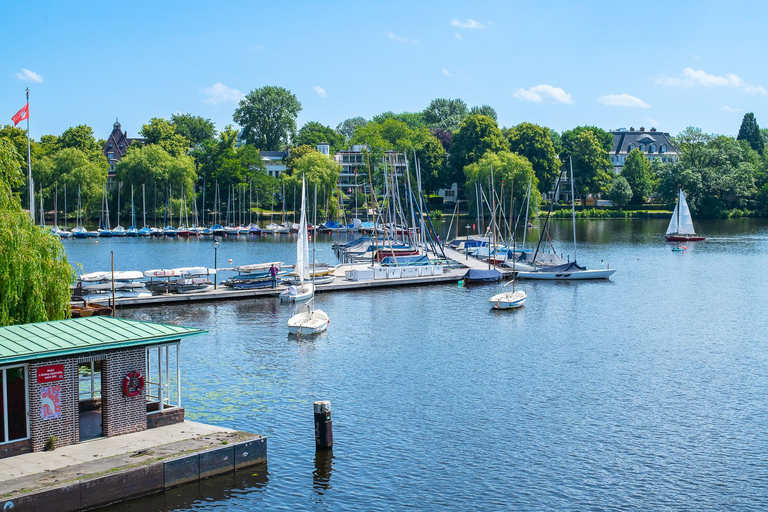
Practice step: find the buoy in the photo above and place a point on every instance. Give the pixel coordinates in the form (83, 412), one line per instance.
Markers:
(96, 242)
(230, 260)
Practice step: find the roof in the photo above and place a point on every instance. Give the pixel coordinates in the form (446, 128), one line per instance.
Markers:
(622, 140)
(29, 342)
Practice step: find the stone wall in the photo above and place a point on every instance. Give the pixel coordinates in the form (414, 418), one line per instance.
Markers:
(122, 414)
(66, 427)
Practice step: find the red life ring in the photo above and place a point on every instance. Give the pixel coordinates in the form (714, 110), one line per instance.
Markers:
(133, 384)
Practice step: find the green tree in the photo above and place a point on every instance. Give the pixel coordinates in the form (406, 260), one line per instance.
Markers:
(476, 135)
(485, 110)
(297, 152)
(80, 137)
(314, 133)
(750, 132)
(163, 133)
(268, 117)
(74, 169)
(692, 143)
(568, 137)
(509, 170)
(319, 170)
(348, 126)
(637, 173)
(592, 169)
(445, 113)
(195, 129)
(412, 119)
(34, 272)
(534, 143)
(152, 164)
(620, 192)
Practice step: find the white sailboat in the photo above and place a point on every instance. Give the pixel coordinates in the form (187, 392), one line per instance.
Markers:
(680, 227)
(571, 271)
(309, 320)
(506, 299)
(302, 290)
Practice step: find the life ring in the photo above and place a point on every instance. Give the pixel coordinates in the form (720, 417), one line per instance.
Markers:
(133, 384)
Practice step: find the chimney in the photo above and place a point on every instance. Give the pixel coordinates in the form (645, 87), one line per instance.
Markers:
(631, 128)
(642, 128)
(653, 129)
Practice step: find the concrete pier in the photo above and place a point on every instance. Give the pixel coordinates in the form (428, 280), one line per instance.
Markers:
(108, 470)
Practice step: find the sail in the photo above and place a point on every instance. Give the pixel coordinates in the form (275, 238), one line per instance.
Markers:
(686, 223)
(302, 247)
(672, 228)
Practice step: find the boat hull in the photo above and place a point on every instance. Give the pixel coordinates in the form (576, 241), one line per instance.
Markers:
(308, 322)
(580, 275)
(684, 238)
(508, 300)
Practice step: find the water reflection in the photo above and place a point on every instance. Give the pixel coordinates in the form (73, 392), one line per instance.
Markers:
(225, 490)
(321, 477)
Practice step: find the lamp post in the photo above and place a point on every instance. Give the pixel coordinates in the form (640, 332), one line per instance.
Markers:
(466, 242)
(215, 263)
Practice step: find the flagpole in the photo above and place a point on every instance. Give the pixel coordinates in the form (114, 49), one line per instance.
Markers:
(29, 169)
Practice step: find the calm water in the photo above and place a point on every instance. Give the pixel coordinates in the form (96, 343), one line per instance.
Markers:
(647, 392)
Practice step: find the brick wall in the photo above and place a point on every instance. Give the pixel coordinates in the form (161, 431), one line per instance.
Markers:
(64, 428)
(121, 414)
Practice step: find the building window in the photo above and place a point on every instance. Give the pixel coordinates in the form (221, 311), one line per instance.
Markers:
(652, 149)
(89, 380)
(642, 147)
(663, 149)
(14, 386)
(111, 156)
(631, 147)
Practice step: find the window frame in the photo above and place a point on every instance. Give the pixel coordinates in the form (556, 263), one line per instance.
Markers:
(3, 372)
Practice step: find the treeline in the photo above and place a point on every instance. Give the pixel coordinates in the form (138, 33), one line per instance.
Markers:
(454, 143)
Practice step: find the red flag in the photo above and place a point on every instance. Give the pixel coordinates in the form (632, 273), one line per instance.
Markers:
(21, 115)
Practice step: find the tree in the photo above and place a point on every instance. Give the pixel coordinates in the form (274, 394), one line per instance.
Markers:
(80, 137)
(412, 119)
(620, 193)
(534, 143)
(314, 133)
(195, 129)
(34, 272)
(74, 169)
(348, 126)
(297, 152)
(485, 110)
(152, 164)
(750, 132)
(592, 169)
(444, 136)
(445, 113)
(268, 117)
(476, 135)
(692, 143)
(163, 133)
(604, 138)
(637, 173)
(320, 170)
(508, 169)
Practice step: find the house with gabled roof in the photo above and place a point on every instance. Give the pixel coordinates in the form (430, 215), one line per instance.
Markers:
(116, 146)
(654, 145)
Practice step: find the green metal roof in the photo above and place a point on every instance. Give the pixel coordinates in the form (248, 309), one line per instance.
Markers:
(44, 340)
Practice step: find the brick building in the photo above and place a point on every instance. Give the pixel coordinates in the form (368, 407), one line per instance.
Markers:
(69, 381)
(116, 145)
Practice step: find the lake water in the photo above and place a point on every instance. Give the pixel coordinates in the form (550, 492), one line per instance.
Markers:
(645, 392)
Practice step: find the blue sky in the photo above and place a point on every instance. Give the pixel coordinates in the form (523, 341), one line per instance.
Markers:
(555, 63)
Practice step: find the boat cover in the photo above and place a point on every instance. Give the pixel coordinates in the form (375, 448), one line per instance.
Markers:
(406, 261)
(567, 267)
(483, 275)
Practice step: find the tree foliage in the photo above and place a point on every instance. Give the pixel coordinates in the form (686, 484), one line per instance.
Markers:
(319, 170)
(268, 117)
(637, 173)
(195, 129)
(163, 133)
(152, 164)
(484, 110)
(750, 132)
(588, 148)
(509, 170)
(445, 113)
(412, 119)
(620, 192)
(314, 133)
(534, 143)
(348, 126)
(34, 273)
(476, 135)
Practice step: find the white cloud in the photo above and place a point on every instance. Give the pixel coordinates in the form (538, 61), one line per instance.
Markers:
(622, 100)
(653, 121)
(447, 73)
(468, 23)
(543, 92)
(731, 110)
(698, 77)
(29, 76)
(219, 93)
(320, 91)
(401, 39)
(458, 36)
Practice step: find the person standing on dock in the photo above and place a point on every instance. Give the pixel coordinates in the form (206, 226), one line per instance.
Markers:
(273, 273)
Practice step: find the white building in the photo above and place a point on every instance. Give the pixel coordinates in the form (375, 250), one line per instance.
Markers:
(653, 144)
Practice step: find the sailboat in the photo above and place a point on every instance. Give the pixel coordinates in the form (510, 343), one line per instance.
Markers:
(302, 290)
(145, 230)
(309, 320)
(132, 230)
(680, 227)
(104, 230)
(570, 271)
(513, 299)
(79, 231)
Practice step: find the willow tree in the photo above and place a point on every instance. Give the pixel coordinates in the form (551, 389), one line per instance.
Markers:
(34, 272)
(321, 171)
(508, 170)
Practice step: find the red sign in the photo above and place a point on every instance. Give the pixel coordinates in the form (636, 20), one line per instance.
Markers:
(50, 373)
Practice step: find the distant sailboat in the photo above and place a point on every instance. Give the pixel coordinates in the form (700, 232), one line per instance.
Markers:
(680, 227)
(303, 290)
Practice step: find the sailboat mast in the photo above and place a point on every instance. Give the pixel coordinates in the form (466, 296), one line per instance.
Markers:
(144, 204)
(573, 210)
(679, 206)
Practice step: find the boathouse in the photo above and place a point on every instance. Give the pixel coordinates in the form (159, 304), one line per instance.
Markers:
(70, 381)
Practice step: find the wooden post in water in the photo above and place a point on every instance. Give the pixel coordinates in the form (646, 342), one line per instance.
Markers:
(323, 426)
